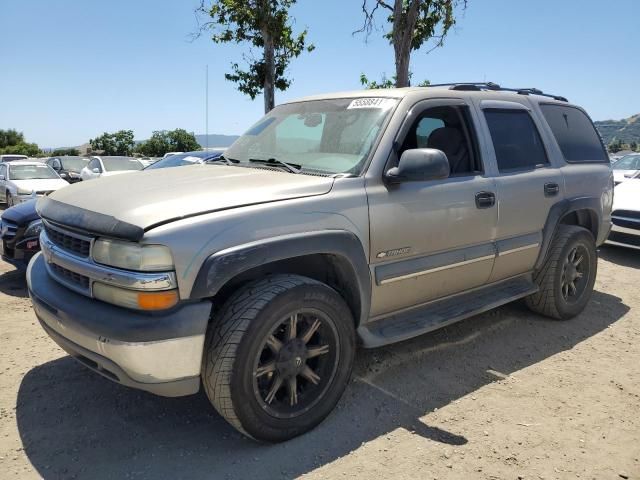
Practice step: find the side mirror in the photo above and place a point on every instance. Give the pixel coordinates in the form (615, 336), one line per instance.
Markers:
(419, 164)
(95, 170)
(56, 166)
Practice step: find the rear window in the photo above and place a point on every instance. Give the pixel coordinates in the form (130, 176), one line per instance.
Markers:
(577, 137)
(516, 140)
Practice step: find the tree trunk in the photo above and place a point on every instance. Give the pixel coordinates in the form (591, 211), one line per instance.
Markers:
(269, 71)
(404, 24)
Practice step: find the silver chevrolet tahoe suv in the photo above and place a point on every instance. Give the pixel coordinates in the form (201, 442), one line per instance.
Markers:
(365, 218)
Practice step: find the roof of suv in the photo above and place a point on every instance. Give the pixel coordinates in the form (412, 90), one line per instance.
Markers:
(484, 90)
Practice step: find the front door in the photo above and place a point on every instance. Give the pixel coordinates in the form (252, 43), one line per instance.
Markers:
(430, 239)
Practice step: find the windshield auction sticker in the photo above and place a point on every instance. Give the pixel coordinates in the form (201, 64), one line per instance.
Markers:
(371, 103)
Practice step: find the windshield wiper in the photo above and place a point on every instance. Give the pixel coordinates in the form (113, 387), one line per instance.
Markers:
(222, 158)
(291, 167)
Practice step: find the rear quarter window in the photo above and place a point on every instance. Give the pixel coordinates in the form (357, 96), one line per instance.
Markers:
(576, 135)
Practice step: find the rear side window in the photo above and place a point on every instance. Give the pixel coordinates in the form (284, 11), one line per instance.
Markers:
(577, 137)
(516, 140)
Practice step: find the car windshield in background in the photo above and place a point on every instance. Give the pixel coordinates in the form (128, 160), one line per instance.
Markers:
(325, 136)
(119, 164)
(10, 158)
(31, 172)
(75, 164)
(181, 159)
(630, 162)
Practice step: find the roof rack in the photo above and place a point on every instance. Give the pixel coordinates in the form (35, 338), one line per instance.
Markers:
(479, 86)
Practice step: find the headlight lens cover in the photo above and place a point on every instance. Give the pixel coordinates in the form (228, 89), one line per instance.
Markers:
(34, 229)
(132, 256)
(24, 191)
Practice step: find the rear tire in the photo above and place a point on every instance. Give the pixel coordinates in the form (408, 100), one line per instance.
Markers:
(279, 356)
(567, 276)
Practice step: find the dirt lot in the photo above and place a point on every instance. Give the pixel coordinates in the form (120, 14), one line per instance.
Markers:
(506, 395)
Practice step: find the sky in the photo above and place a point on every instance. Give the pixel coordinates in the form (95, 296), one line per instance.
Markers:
(72, 69)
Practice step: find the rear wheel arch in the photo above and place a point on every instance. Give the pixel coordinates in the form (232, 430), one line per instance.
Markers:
(585, 212)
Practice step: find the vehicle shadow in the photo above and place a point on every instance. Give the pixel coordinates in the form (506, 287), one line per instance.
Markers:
(75, 424)
(14, 284)
(626, 257)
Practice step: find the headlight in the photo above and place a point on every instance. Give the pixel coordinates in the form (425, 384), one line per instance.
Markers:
(34, 229)
(132, 256)
(24, 191)
(135, 298)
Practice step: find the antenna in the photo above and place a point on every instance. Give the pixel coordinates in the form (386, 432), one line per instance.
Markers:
(206, 122)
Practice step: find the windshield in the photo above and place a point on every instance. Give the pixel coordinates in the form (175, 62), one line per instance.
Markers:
(182, 159)
(75, 164)
(325, 136)
(31, 172)
(118, 164)
(630, 162)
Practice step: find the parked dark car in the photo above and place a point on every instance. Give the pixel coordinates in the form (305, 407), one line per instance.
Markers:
(68, 167)
(20, 229)
(188, 158)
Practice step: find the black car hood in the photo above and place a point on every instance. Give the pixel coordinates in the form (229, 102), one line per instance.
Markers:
(22, 213)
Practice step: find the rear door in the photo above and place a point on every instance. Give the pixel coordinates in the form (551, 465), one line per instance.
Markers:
(528, 183)
(3, 182)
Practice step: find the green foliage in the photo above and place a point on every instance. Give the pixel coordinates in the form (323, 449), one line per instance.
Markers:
(118, 143)
(12, 141)
(414, 23)
(385, 82)
(11, 137)
(615, 146)
(265, 25)
(626, 131)
(163, 141)
(60, 152)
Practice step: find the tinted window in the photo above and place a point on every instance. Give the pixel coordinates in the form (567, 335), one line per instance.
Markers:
(515, 139)
(94, 163)
(575, 134)
(629, 162)
(120, 164)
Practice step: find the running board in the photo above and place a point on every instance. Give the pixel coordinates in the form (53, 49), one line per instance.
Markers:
(438, 314)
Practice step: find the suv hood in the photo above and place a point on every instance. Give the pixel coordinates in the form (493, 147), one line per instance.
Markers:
(126, 205)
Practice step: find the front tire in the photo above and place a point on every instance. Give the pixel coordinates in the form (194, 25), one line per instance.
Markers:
(9, 199)
(279, 356)
(567, 276)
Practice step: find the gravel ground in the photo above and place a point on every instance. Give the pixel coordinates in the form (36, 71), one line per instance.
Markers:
(505, 395)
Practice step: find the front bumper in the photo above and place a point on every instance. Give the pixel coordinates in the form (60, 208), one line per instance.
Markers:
(160, 353)
(623, 236)
(19, 252)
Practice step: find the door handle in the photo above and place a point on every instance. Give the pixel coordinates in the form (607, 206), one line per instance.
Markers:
(485, 199)
(551, 189)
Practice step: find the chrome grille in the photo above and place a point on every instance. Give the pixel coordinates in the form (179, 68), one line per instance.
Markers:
(626, 219)
(68, 242)
(67, 276)
(8, 229)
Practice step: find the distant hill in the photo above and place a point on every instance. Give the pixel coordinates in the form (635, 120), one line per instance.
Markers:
(626, 130)
(216, 140)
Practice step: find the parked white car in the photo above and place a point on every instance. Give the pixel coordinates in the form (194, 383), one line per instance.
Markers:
(22, 180)
(12, 157)
(107, 166)
(626, 214)
(168, 154)
(625, 168)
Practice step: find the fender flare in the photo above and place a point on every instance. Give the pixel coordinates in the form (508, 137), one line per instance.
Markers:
(222, 266)
(558, 211)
